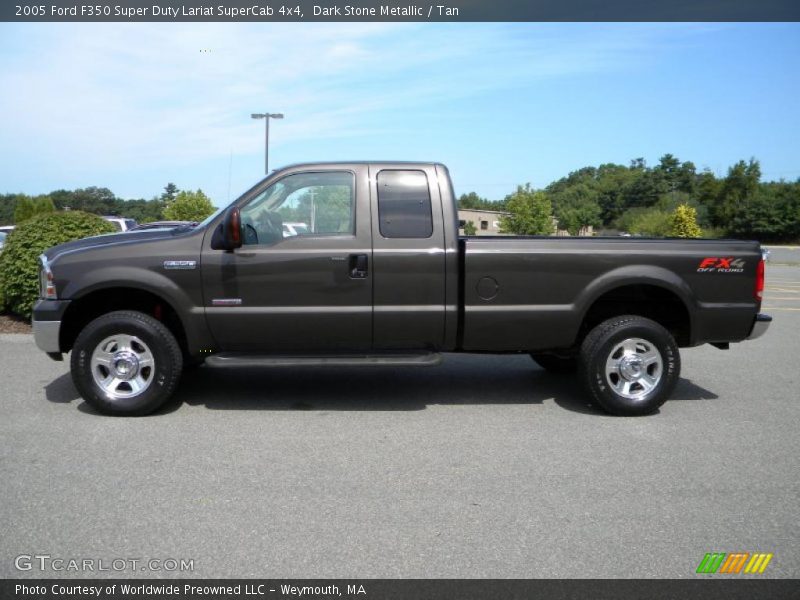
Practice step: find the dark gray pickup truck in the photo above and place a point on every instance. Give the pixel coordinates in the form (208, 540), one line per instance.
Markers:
(361, 264)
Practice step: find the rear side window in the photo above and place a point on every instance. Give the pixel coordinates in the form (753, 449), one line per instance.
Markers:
(404, 204)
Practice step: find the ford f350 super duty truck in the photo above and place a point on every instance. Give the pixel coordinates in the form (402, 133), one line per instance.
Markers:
(376, 274)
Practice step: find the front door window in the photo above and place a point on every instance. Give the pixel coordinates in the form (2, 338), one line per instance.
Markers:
(304, 204)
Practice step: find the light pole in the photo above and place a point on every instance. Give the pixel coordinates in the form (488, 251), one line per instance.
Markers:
(266, 117)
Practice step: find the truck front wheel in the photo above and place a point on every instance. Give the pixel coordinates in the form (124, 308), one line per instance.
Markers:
(630, 365)
(126, 363)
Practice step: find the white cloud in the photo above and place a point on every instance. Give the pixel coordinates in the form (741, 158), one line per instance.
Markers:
(118, 96)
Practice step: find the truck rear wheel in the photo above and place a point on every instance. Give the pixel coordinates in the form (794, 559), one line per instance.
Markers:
(630, 365)
(126, 363)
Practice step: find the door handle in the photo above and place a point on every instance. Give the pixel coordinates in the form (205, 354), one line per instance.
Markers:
(359, 266)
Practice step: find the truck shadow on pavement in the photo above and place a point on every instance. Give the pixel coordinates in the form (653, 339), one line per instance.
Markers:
(460, 380)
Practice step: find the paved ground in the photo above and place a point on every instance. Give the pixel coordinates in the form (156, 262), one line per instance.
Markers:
(485, 467)
(787, 255)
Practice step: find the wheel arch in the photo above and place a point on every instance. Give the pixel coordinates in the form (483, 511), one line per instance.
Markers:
(99, 301)
(652, 292)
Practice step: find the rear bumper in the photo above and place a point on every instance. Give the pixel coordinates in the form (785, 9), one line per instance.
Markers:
(760, 326)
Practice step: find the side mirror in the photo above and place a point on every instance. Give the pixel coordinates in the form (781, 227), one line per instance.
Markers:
(228, 234)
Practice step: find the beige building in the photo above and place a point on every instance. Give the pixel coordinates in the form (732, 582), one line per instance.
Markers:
(584, 232)
(487, 222)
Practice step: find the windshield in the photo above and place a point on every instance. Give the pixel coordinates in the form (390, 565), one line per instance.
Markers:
(271, 197)
(211, 217)
(2, 237)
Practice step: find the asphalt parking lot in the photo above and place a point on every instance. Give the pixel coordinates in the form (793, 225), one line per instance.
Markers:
(784, 255)
(483, 467)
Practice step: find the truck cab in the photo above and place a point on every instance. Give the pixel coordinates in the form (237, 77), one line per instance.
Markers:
(370, 272)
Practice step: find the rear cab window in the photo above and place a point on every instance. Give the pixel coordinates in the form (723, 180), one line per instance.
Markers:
(404, 204)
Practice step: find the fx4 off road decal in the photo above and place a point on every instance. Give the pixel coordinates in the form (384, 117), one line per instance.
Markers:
(714, 264)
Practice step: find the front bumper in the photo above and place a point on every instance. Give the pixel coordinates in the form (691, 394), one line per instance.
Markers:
(47, 316)
(46, 335)
(760, 326)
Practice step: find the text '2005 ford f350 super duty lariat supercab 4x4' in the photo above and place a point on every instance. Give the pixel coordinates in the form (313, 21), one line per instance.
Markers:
(373, 272)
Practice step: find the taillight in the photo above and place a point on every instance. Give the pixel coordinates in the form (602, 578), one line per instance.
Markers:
(758, 292)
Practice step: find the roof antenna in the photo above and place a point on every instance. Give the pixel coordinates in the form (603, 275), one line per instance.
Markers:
(230, 168)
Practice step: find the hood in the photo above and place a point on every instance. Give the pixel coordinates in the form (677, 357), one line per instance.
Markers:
(112, 239)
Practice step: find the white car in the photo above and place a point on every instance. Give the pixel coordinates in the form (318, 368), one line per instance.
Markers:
(121, 223)
(293, 229)
(2, 240)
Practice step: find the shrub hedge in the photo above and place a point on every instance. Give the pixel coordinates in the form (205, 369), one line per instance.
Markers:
(19, 261)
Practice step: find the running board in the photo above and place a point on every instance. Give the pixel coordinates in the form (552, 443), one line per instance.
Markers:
(238, 359)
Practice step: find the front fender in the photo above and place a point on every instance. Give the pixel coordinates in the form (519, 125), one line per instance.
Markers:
(181, 290)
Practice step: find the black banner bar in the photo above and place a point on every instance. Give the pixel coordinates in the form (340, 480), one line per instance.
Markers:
(399, 589)
(397, 10)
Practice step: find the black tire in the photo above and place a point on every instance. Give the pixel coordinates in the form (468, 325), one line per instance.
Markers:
(552, 363)
(149, 341)
(647, 369)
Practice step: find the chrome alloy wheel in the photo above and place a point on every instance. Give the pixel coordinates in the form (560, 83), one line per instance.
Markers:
(122, 366)
(634, 368)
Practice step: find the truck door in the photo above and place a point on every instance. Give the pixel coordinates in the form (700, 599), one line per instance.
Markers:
(408, 256)
(302, 280)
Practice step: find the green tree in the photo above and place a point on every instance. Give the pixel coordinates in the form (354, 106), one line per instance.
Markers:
(531, 213)
(189, 206)
(578, 217)
(329, 209)
(737, 189)
(24, 209)
(644, 188)
(170, 193)
(650, 222)
(576, 207)
(475, 202)
(144, 211)
(771, 214)
(469, 228)
(43, 204)
(471, 200)
(638, 164)
(8, 204)
(100, 201)
(684, 222)
(678, 176)
(28, 207)
(167, 197)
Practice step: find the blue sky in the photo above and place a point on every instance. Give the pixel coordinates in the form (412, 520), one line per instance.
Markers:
(134, 106)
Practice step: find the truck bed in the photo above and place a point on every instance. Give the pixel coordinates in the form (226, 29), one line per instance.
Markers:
(536, 293)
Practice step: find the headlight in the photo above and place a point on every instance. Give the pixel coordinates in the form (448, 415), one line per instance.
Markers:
(47, 285)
